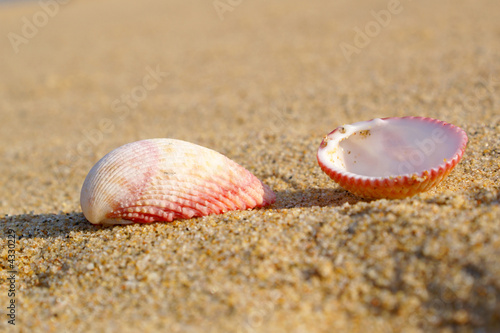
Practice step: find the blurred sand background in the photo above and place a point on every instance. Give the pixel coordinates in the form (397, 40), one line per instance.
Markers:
(261, 83)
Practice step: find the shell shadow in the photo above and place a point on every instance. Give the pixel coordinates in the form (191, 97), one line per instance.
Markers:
(46, 225)
(320, 197)
(62, 225)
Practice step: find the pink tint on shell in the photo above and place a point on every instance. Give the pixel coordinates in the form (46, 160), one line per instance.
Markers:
(399, 185)
(162, 180)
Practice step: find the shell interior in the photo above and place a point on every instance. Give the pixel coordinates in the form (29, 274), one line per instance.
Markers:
(391, 147)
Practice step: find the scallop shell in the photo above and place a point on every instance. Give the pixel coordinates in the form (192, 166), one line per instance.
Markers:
(165, 179)
(391, 157)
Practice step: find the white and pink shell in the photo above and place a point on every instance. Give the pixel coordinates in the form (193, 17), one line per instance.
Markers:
(391, 157)
(165, 179)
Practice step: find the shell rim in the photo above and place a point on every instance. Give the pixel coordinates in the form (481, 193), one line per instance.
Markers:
(457, 156)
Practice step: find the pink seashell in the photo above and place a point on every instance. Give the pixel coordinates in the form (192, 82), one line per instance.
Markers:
(391, 157)
(165, 179)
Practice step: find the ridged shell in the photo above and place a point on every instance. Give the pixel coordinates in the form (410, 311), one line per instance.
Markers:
(391, 157)
(166, 179)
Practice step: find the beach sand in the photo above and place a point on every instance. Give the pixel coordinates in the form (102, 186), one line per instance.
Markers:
(261, 82)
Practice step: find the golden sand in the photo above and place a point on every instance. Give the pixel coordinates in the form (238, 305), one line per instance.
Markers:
(262, 83)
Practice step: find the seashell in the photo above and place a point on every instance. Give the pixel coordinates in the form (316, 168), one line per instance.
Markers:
(166, 179)
(391, 157)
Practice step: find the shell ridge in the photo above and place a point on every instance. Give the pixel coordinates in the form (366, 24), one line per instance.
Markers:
(165, 179)
(202, 190)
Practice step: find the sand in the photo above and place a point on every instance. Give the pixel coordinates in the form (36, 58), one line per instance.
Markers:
(261, 82)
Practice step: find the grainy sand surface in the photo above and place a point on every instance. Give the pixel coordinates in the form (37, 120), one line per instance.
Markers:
(262, 86)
